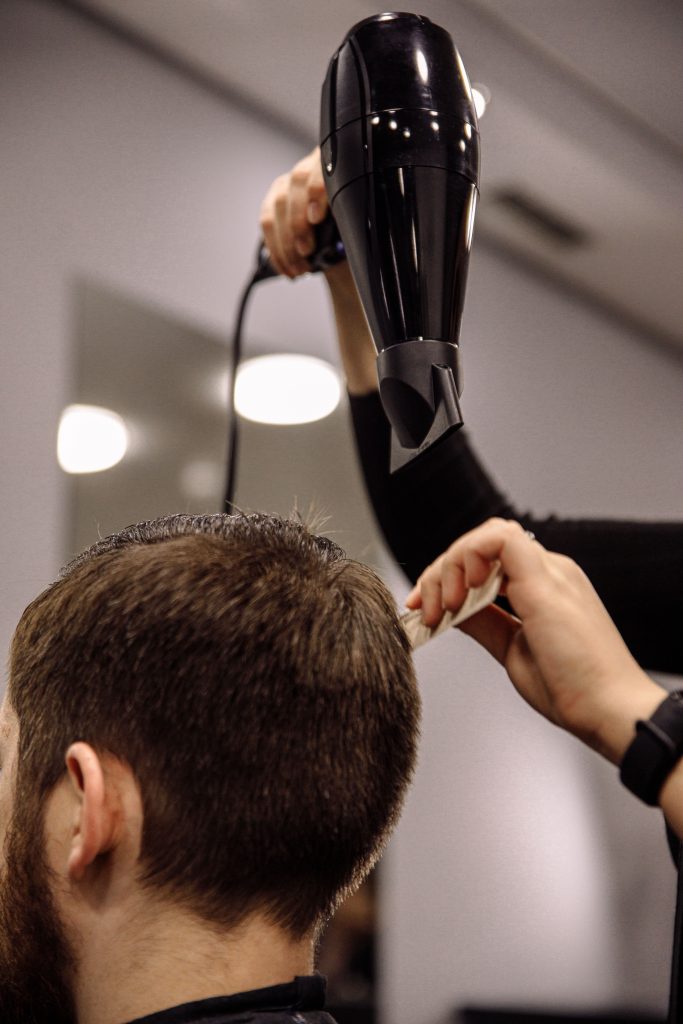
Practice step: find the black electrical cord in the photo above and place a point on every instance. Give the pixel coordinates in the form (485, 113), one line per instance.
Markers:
(263, 271)
(232, 412)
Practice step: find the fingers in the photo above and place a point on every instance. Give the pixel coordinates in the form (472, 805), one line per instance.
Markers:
(294, 202)
(502, 540)
(454, 584)
(468, 563)
(476, 568)
(269, 230)
(303, 238)
(432, 602)
(278, 232)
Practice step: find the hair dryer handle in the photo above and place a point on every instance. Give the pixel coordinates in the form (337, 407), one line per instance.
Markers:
(329, 250)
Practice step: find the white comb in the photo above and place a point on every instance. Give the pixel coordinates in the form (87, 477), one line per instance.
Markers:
(477, 599)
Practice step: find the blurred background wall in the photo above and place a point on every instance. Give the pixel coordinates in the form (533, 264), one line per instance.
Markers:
(521, 874)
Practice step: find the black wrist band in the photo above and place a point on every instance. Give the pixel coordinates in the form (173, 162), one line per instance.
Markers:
(657, 746)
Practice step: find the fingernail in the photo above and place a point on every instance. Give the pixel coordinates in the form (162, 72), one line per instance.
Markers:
(314, 212)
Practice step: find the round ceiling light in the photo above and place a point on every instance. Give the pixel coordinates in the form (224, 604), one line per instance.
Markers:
(90, 439)
(482, 97)
(286, 389)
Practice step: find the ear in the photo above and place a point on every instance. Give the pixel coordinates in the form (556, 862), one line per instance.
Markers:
(97, 809)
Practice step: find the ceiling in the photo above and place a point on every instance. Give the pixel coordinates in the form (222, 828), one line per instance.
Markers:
(584, 129)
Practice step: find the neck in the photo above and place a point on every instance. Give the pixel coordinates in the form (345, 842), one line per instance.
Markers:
(130, 971)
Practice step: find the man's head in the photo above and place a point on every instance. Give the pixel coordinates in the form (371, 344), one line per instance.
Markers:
(259, 687)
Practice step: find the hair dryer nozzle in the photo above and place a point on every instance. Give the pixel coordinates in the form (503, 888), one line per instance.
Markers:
(419, 388)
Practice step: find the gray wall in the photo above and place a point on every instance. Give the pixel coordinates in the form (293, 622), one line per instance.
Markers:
(520, 872)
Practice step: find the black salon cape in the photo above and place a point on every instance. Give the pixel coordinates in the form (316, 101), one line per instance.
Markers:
(636, 567)
(301, 1001)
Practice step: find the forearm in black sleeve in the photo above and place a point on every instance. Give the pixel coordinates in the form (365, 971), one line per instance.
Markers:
(421, 517)
(636, 567)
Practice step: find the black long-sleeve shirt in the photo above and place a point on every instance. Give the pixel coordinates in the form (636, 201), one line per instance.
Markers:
(636, 567)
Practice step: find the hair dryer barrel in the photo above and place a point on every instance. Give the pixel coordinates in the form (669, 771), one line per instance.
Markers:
(407, 235)
(400, 155)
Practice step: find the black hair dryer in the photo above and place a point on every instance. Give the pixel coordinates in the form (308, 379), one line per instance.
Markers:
(400, 154)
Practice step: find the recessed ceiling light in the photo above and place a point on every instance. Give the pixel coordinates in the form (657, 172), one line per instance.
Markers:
(90, 439)
(286, 389)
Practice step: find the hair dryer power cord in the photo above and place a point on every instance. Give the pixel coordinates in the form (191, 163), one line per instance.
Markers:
(263, 271)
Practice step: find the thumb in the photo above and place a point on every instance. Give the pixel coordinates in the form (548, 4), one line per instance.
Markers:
(494, 629)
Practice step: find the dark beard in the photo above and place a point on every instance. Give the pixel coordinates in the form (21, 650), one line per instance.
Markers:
(36, 960)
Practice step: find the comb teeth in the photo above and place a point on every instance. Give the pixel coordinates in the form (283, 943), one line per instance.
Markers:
(476, 600)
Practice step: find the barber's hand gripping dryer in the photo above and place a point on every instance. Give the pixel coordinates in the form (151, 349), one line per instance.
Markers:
(400, 155)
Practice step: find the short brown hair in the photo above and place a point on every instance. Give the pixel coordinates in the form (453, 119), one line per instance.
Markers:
(261, 688)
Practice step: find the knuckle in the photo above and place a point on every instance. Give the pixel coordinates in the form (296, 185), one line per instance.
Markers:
(316, 188)
(298, 221)
(497, 521)
(425, 581)
(300, 175)
(514, 527)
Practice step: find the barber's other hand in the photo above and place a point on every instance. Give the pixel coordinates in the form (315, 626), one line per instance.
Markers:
(562, 651)
(294, 203)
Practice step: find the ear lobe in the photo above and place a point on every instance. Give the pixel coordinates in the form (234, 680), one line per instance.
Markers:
(95, 820)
